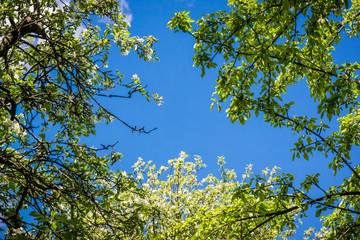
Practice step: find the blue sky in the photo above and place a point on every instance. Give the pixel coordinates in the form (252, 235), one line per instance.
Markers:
(185, 121)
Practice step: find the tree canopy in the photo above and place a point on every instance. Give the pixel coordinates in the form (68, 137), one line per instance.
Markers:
(260, 49)
(53, 76)
(182, 206)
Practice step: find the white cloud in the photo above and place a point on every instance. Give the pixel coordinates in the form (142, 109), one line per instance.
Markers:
(124, 6)
(62, 3)
(188, 3)
(79, 30)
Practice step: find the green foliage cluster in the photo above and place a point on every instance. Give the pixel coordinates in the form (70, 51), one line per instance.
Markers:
(183, 207)
(265, 47)
(53, 75)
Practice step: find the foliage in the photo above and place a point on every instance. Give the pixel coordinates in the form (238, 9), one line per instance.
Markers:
(179, 206)
(53, 75)
(265, 47)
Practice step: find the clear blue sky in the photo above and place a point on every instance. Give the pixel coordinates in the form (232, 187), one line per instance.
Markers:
(185, 121)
